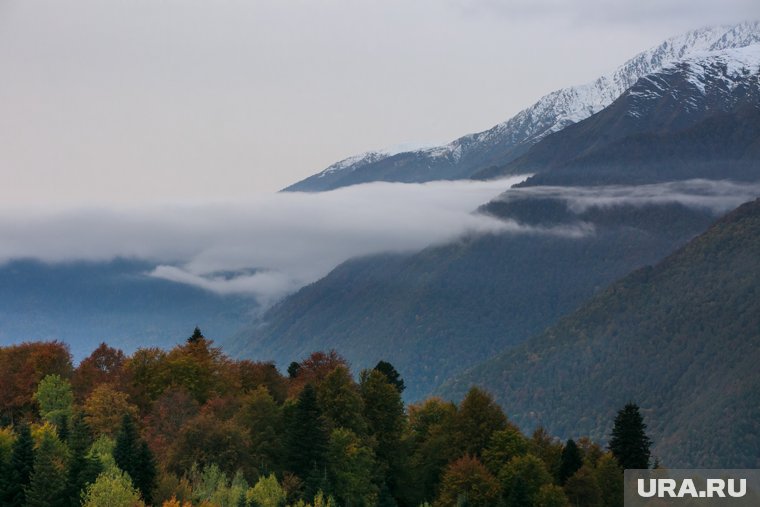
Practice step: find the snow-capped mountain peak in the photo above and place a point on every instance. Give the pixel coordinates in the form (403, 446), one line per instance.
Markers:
(504, 142)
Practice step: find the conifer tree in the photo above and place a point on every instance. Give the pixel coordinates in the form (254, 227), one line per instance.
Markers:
(47, 483)
(306, 443)
(629, 441)
(133, 456)
(391, 374)
(196, 336)
(22, 465)
(570, 462)
(83, 469)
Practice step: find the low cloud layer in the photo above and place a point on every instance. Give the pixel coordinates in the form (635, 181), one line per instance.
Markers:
(267, 246)
(716, 196)
(275, 244)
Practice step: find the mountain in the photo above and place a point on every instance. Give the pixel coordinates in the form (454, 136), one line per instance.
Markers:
(698, 117)
(85, 303)
(682, 339)
(507, 141)
(434, 313)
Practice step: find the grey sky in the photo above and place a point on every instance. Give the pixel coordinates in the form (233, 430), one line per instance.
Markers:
(135, 100)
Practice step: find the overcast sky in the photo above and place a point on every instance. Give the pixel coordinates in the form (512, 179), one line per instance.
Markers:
(145, 100)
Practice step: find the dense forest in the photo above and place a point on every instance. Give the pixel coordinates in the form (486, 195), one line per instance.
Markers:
(191, 426)
(682, 338)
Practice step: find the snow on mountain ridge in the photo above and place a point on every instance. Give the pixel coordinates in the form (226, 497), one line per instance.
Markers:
(566, 106)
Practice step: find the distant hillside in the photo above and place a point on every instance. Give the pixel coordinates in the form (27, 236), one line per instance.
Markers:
(509, 140)
(682, 339)
(697, 118)
(84, 303)
(435, 313)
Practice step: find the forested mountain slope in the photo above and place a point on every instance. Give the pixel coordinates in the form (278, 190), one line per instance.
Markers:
(682, 339)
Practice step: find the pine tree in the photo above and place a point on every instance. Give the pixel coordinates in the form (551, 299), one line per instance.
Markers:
(391, 374)
(83, 469)
(47, 483)
(306, 444)
(133, 456)
(629, 441)
(570, 462)
(22, 465)
(196, 336)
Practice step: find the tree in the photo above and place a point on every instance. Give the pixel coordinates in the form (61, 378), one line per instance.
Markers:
(267, 493)
(22, 465)
(384, 413)
(351, 466)
(391, 374)
(47, 483)
(83, 469)
(504, 445)
(526, 474)
(133, 456)
(466, 479)
(196, 336)
(306, 440)
(582, 488)
(114, 489)
(340, 401)
(55, 399)
(104, 366)
(105, 409)
(629, 441)
(263, 418)
(570, 462)
(551, 495)
(293, 369)
(609, 476)
(477, 420)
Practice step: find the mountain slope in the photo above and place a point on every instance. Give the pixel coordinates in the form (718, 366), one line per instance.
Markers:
(698, 117)
(509, 140)
(682, 339)
(84, 303)
(434, 313)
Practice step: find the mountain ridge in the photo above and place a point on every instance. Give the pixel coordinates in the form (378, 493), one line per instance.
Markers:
(508, 140)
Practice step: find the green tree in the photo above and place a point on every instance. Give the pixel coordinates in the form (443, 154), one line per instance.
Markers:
(551, 495)
(384, 413)
(582, 488)
(526, 474)
(267, 493)
(47, 483)
(609, 476)
(306, 440)
(351, 466)
(83, 469)
(55, 399)
(504, 445)
(629, 441)
(340, 401)
(570, 462)
(391, 374)
(22, 465)
(478, 418)
(133, 456)
(113, 489)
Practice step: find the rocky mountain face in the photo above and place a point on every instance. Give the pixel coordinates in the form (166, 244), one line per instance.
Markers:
(698, 117)
(509, 140)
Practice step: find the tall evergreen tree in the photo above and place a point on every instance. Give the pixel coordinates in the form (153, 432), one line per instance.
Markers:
(570, 462)
(133, 456)
(83, 469)
(47, 483)
(629, 442)
(391, 374)
(196, 336)
(306, 442)
(22, 465)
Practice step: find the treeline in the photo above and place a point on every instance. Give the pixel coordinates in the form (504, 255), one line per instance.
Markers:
(191, 426)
